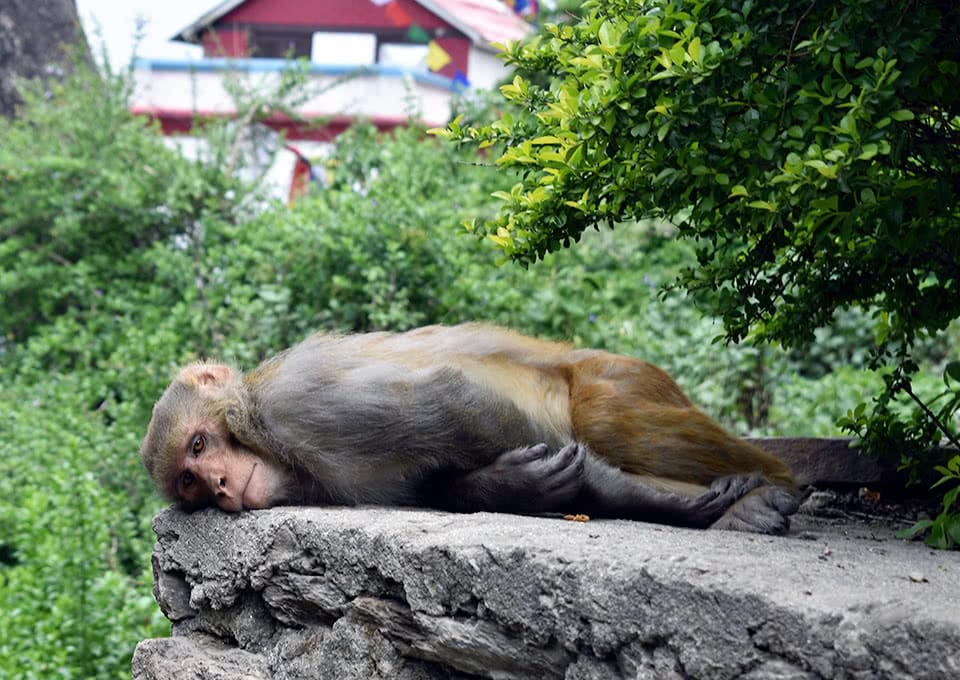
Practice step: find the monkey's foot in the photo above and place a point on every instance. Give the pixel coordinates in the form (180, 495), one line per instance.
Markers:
(722, 494)
(764, 510)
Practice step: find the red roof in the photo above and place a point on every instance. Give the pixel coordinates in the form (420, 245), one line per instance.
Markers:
(483, 21)
(490, 20)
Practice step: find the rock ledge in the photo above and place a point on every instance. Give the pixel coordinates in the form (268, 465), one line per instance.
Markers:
(386, 593)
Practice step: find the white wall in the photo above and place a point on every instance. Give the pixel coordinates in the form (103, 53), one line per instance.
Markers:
(376, 94)
(485, 69)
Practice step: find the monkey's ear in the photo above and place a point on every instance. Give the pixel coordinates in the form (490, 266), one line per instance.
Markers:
(207, 375)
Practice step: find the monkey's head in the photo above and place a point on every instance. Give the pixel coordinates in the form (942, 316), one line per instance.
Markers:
(193, 456)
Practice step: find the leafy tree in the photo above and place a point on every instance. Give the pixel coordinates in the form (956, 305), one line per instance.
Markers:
(810, 150)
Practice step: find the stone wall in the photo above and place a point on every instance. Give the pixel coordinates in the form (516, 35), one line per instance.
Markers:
(386, 593)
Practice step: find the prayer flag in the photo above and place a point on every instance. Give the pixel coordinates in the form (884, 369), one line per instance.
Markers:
(460, 79)
(437, 57)
(418, 35)
(397, 14)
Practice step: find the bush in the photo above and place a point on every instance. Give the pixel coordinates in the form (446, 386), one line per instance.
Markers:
(95, 289)
(809, 150)
(74, 546)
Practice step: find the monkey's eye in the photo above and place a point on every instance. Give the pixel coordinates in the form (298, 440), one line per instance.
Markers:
(198, 444)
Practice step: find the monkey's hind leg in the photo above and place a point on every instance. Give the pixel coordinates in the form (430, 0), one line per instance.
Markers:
(764, 509)
(635, 416)
(613, 493)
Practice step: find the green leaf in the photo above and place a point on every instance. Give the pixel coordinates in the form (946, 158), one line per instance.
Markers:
(829, 171)
(950, 498)
(919, 527)
(953, 529)
(952, 371)
(609, 36)
(693, 49)
(829, 204)
(902, 115)
(738, 190)
(546, 139)
(677, 53)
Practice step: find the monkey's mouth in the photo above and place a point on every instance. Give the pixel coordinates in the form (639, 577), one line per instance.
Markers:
(243, 494)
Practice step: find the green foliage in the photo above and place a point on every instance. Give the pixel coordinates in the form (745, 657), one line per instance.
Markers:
(893, 426)
(374, 247)
(944, 529)
(770, 122)
(810, 150)
(74, 549)
(92, 275)
(86, 192)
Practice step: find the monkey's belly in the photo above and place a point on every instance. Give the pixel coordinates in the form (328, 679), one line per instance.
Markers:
(544, 396)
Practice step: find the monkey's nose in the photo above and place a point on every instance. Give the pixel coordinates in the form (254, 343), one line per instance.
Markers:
(221, 491)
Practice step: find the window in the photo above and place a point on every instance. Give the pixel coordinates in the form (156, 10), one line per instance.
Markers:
(403, 54)
(279, 45)
(343, 49)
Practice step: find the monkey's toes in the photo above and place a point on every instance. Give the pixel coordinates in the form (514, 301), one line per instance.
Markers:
(764, 511)
(733, 487)
(780, 499)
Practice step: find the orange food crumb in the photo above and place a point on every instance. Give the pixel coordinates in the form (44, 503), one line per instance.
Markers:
(577, 518)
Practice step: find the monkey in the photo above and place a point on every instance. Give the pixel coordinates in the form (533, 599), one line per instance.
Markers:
(464, 418)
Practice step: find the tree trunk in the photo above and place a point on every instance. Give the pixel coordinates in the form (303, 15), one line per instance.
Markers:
(33, 38)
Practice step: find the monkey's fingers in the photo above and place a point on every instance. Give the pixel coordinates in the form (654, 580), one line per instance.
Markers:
(524, 455)
(563, 471)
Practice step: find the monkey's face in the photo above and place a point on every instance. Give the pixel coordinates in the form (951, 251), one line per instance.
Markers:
(195, 459)
(213, 470)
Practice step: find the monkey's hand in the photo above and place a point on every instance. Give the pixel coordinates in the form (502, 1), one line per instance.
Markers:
(764, 510)
(524, 480)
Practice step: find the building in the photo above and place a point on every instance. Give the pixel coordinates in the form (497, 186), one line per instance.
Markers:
(375, 59)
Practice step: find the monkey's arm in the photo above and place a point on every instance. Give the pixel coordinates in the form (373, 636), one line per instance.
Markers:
(526, 480)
